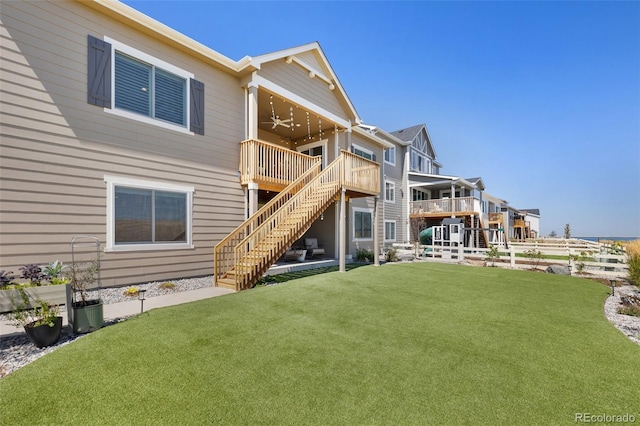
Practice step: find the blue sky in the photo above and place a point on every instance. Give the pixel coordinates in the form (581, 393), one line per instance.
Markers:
(541, 99)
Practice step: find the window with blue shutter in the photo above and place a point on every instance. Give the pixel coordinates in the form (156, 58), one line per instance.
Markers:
(144, 86)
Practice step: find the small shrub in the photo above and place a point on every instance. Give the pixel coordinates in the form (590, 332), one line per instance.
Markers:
(53, 272)
(534, 256)
(633, 254)
(6, 279)
(579, 260)
(131, 291)
(630, 305)
(167, 286)
(32, 273)
(492, 255)
(391, 255)
(364, 255)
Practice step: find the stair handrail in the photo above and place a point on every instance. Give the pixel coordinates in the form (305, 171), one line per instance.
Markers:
(332, 174)
(220, 265)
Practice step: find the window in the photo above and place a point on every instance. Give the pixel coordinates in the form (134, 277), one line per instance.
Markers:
(389, 192)
(133, 84)
(147, 215)
(317, 149)
(419, 163)
(419, 195)
(362, 152)
(389, 230)
(390, 156)
(362, 224)
(148, 90)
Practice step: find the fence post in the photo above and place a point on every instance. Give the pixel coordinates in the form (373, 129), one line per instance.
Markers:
(512, 256)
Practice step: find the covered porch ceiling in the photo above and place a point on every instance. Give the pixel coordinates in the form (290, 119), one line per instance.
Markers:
(293, 124)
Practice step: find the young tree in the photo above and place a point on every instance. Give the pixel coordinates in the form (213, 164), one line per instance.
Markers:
(567, 231)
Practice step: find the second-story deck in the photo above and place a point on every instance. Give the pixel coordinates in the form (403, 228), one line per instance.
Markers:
(445, 207)
(274, 167)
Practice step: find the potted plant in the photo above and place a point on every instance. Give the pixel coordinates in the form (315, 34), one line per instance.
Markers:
(41, 320)
(86, 312)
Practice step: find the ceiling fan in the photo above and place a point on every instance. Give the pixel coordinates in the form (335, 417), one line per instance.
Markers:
(276, 121)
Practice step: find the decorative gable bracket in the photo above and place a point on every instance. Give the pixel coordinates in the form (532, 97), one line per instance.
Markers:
(312, 72)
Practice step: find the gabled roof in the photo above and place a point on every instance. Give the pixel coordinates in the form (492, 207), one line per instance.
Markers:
(383, 134)
(326, 73)
(477, 181)
(409, 134)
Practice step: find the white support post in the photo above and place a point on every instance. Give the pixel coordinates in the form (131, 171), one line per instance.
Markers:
(376, 228)
(252, 112)
(343, 231)
(512, 256)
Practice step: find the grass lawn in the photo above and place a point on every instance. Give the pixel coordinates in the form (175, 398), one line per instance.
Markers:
(418, 343)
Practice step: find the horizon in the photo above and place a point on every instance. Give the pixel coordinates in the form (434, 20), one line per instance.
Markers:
(540, 99)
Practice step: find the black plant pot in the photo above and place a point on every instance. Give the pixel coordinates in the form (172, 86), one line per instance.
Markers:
(43, 335)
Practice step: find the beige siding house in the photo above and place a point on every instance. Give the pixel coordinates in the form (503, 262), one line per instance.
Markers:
(117, 126)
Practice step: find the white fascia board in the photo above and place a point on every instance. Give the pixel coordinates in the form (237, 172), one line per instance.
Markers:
(162, 31)
(296, 99)
(372, 137)
(444, 177)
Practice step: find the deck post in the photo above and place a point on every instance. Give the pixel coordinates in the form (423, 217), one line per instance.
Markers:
(343, 230)
(376, 236)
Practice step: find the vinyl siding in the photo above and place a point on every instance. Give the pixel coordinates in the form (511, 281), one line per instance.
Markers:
(56, 148)
(295, 79)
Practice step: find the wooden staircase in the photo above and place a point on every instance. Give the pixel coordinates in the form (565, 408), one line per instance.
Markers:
(483, 238)
(246, 254)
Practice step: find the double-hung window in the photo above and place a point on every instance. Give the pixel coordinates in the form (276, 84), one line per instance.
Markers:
(390, 156)
(389, 192)
(133, 84)
(362, 224)
(389, 230)
(147, 215)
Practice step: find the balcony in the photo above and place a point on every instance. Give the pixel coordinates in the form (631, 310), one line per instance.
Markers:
(270, 166)
(445, 207)
(273, 168)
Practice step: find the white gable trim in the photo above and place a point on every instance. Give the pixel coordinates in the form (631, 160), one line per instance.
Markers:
(312, 71)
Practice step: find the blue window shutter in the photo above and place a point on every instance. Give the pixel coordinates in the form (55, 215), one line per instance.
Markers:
(99, 72)
(373, 157)
(197, 107)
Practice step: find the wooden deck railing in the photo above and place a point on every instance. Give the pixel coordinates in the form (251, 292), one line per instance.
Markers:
(443, 205)
(224, 251)
(360, 174)
(270, 164)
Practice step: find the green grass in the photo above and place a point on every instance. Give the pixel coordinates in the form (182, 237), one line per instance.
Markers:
(418, 343)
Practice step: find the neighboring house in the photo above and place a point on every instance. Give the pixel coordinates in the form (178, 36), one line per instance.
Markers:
(117, 126)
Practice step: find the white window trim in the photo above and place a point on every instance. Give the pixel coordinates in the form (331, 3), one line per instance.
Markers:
(390, 240)
(393, 163)
(353, 223)
(113, 181)
(322, 143)
(137, 54)
(361, 148)
(392, 185)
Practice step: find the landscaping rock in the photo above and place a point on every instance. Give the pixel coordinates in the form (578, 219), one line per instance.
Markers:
(558, 270)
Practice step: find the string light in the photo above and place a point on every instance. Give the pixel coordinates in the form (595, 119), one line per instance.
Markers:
(291, 115)
(308, 126)
(319, 128)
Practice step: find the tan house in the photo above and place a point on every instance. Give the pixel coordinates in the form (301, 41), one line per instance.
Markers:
(115, 125)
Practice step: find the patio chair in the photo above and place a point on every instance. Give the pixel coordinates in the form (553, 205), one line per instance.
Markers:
(311, 244)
